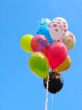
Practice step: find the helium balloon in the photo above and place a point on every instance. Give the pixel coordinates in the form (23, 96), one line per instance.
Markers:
(39, 64)
(64, 66)
(43, 28)
(43, 23)
(57, 28)
(55, 82)
(40, 43)
(57, 54)
(69, 40)
(25, 42)
(45, 32)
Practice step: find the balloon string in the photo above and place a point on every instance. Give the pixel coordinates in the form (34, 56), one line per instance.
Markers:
(46, 102)
(52, 101)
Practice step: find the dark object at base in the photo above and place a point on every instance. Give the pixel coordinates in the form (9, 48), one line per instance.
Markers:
(55, 83)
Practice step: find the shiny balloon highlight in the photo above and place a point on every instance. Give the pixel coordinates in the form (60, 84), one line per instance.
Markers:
(49, 47)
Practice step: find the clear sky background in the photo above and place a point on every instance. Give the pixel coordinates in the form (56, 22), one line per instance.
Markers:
(19, 88)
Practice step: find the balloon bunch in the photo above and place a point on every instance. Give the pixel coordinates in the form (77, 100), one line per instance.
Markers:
(49, 49)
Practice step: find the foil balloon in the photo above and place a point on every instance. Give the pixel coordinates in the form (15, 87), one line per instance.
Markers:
(57, 28)
(57, 54)
(43, 23)
(40, 43)
(25, 42)
(39, 64)
(64, 66)
(55, 82)
(69, 40)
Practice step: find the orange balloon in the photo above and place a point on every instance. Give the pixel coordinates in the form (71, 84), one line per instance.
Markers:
(64, 66)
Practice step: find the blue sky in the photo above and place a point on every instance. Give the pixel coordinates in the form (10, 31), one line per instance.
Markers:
(19, 88)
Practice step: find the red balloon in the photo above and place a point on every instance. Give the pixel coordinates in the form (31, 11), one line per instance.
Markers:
(40, 43)
(57, 54)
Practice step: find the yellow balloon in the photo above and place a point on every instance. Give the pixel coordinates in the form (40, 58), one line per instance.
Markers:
(39, 64)
(64, 66)
(25, 42)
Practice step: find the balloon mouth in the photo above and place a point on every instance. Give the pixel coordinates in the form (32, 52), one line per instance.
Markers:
(42, 23)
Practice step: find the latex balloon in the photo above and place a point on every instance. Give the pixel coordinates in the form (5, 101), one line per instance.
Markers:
(69, 40)
(43, 23)
(39, 64)
(40, 43)
(43, 28)
(57, 54)
(55, 82)
(64, 66)
(45, 31)
(57, 28)
(25, 42)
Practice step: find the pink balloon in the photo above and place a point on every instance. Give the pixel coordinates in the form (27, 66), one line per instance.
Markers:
(40, 43)
(57, 54)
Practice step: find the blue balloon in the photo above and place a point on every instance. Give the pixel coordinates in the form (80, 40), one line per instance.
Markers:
(44, 31)
(43, 23)
(43, 28)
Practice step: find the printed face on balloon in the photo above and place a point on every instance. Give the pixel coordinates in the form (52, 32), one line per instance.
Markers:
(44, 22)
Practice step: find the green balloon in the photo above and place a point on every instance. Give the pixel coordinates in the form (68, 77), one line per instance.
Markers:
(39, 64)
(25, 42)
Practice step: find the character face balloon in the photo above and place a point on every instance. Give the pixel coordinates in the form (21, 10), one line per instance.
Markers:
(57, 28)
(69, 40)
(43, 22)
